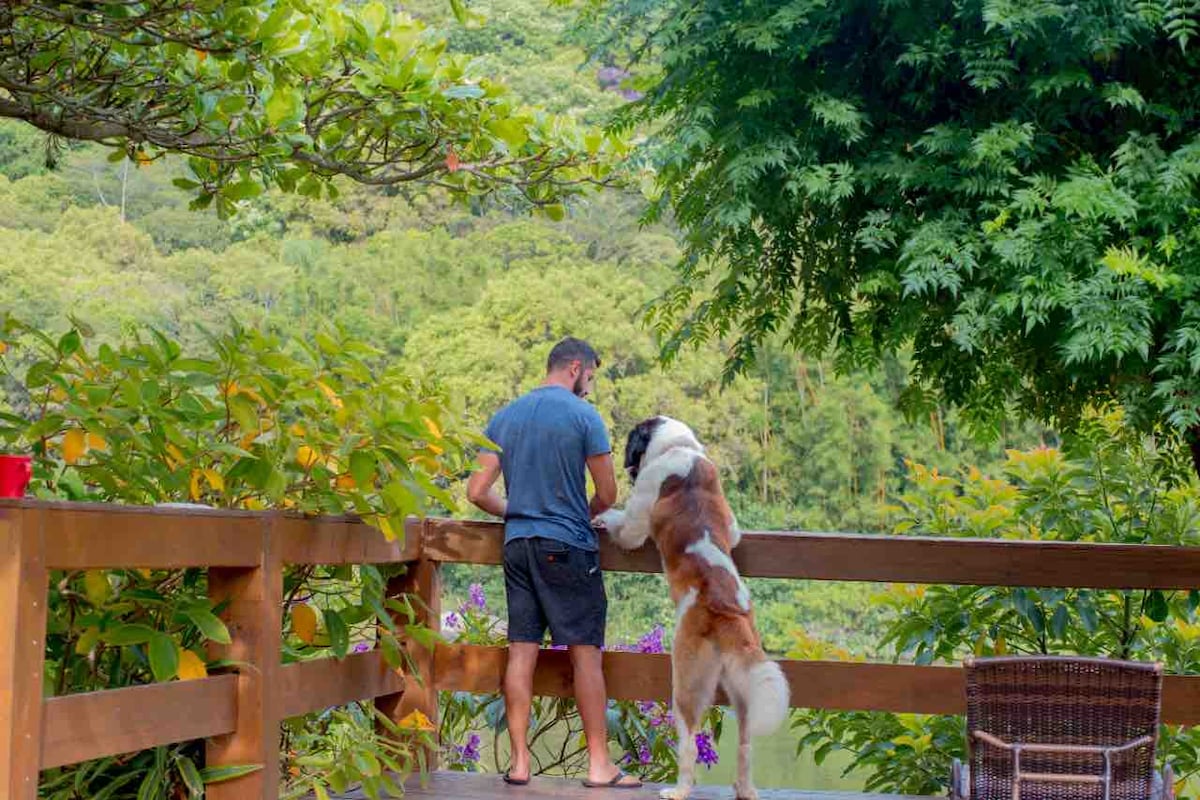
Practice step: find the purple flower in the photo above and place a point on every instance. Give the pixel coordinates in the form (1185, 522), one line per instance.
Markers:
(451, 621)
(705, 753)
(468, 753)
(362, 647)
(478, 601)
(642, 756)
(647, 707)
(471, 751)
(652, 642)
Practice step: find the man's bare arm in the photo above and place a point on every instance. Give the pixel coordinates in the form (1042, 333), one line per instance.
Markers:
(481, 487)
(604, 478)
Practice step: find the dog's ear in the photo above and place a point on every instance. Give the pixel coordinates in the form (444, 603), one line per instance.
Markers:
(637, 444)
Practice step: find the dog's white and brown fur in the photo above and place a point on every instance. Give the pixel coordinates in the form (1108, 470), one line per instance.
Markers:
(677, 501)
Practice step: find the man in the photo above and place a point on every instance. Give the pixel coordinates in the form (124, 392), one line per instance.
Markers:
(551, 562)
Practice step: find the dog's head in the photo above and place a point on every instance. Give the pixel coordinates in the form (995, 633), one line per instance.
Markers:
(651, 437)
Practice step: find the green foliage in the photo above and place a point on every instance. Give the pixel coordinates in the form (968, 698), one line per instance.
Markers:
(340, 749)
(259, 93)
(257, 422)
(1109, 484)
(317, 426)
(1009, 188)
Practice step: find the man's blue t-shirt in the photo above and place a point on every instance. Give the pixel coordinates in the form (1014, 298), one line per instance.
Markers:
(546, 437)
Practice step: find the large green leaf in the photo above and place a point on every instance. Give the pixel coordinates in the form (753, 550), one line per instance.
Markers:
(208, 623)
(164, 657)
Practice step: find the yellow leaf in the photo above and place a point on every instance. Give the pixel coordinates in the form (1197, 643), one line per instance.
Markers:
(389, 532)
(304, 623)
(306, 456)
(96, 586)
(87, 641)
(229, 389)
(1001, 647)
(191, 666)
(74, 445)
(432, 427)
(3, 348)
(253, 504)
(253, 395)
(195, 484)
(297, 429)
(174, 457)
(215, 480)
(429, 463)
(145, 573)
(345, 482)
(330, 393)
(433, 448)
(96, 442)
(415, 721)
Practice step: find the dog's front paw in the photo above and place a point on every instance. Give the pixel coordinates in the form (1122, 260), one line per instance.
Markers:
(675, 793)
(611, 521)
(746, 792)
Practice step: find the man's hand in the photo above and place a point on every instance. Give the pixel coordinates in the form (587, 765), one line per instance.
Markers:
(481, 488)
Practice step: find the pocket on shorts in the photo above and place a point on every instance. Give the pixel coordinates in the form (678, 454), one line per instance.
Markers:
(559, 563)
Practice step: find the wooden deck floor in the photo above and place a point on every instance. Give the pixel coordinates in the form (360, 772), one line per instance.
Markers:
(467, 786)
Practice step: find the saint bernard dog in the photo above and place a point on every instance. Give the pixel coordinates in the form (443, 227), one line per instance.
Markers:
(677, 501)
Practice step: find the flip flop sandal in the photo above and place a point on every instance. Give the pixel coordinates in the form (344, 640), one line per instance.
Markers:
(511, 781)
(615, 783)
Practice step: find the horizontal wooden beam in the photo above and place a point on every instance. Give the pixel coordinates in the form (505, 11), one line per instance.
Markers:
(97, 536)
(343, 540)
(80, 727)
(325, 682)
(103, 536)
(900, 559)
(832, 685)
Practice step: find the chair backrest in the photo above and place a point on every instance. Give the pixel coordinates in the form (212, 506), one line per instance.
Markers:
(1062, 701)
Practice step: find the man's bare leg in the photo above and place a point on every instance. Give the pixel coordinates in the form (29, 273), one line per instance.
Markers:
(518, 699)
(592, 698)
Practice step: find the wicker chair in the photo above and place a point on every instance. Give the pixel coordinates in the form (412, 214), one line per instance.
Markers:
(1055, 728)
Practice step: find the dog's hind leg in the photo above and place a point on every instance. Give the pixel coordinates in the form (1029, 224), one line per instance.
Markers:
(695, 667)
(743, 787)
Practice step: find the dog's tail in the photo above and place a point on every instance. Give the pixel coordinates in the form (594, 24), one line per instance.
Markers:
(757, 685)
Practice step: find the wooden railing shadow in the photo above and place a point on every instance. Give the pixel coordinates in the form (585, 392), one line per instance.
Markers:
(245, 553)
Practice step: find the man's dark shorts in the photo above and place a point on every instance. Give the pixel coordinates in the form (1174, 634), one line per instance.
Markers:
(551, 584)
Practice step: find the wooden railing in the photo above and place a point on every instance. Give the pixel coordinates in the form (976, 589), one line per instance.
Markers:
(245, 554)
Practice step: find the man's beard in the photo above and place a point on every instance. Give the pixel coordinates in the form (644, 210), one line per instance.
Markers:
(580, 387)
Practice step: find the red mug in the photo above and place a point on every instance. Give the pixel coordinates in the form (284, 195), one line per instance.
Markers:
(15, 472)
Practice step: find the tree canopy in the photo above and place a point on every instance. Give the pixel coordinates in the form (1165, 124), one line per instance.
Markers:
(1007, 186)
(283, 93)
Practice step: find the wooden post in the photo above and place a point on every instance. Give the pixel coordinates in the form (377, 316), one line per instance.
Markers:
(254, 619)
(423, 579)
(23, 598)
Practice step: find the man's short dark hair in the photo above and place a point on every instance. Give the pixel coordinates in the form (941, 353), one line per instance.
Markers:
(571, 349)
